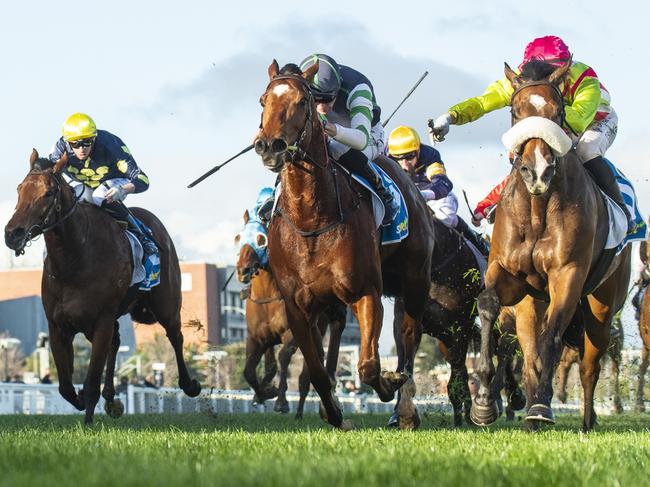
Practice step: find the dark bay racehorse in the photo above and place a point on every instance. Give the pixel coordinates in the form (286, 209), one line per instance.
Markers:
(267, 326)
(549, 235)
(644, 329)
(86, 279)
(324, 245)
(449, 314)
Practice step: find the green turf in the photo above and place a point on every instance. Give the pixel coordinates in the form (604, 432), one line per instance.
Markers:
(259, 449)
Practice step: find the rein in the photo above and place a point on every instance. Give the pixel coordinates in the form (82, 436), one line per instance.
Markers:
(39, 229)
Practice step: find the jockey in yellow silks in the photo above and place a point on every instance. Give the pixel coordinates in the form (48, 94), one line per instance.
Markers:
(589, 118)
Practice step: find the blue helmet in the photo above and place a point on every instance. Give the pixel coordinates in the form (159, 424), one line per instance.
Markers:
(327, 82)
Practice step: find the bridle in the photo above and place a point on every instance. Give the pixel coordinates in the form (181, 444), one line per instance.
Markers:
(53, 212)
(297, 153)
(561, 115)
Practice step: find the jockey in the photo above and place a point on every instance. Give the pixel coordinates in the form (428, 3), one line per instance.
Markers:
(589, 118)
(424, 165)
(108, 176)
(345, 101)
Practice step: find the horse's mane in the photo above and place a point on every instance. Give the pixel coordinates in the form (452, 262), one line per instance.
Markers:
(289, 69)
(536, 69)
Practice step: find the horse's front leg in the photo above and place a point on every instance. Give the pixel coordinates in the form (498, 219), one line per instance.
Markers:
(398, 319)
(102, 339)
(565, 286)
(500, 288)
(286, 352)
(254, 352)
(63, 353)
(369, 313)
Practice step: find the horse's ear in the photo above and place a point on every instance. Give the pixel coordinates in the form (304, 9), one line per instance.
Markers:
(274, 69)
(514, 79)
(558, 75)
(311, 72)
(246, 217)
(61, 163)
(33, 158)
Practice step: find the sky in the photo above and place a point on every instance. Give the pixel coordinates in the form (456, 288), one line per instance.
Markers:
(179, 82)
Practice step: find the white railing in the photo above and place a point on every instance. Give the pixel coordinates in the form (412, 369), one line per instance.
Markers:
(45, 399)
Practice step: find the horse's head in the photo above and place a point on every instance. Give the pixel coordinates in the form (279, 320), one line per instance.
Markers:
(287, 115)
(253, 249)
(537, 111)
(39, 202)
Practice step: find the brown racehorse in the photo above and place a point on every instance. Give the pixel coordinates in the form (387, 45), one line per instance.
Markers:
(86, 277)
(550, 231)
(324, 245)
(449, 316)
(644, 328)
(267, 326)
(571, 356)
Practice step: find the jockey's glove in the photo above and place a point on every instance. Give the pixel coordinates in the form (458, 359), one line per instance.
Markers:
(116, 193)
(440, 127)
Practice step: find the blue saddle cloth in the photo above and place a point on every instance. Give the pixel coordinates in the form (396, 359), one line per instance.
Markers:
(151, 263)
(640, 231)
(398, 230)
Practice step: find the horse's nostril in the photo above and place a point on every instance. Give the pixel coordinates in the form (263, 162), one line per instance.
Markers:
(278, 145)
(260, 146)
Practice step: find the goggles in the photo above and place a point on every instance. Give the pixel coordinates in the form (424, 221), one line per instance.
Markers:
(82, 143)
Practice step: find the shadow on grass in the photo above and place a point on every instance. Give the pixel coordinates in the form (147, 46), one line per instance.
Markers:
(265, 423)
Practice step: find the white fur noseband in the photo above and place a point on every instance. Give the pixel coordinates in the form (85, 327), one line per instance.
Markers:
(537, 128)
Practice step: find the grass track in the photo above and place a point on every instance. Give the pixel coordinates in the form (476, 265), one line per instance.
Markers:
(261, 449)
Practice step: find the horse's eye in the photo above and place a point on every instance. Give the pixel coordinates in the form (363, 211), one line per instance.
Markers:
(303, 102)
(49, 193)
(262, 101)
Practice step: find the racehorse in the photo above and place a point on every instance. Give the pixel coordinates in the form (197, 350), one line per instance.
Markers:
(267, 325)
(449, 316)
(324, 246)
(548, 241)
(86, 281)
(644, 330)
(571, 356)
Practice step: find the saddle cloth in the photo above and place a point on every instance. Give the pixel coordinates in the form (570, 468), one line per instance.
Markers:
(398, 230)
(147, 272)
(618, 237)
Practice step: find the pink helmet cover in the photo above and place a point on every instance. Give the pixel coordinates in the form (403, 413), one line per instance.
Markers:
(551, 49)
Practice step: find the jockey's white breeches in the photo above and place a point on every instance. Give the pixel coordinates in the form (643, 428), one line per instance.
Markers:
(598, 137)
(445, 209)
(95, 196)
(376, 145)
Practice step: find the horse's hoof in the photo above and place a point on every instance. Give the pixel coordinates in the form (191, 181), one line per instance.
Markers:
(395, 379)
(393, 421)
(484, 415)
(298, 416)
(561, 397)
(411, 422)
(541, 413)
(267, 393)
(281, 406)
(347, 425)
(193, 390)
(517, 400)
(114, 408)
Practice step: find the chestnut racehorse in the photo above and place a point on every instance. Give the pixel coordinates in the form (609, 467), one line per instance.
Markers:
(549, 236)
(267, 326)
(324, 245)
(86, 278)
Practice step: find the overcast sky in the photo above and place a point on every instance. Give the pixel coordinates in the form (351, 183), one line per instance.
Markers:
(179, 82)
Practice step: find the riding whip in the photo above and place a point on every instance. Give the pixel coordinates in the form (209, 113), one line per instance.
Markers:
(469, 207)
(219, 166)
(385, 122)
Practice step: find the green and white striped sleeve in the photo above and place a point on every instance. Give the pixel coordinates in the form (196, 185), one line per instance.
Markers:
(359, 105)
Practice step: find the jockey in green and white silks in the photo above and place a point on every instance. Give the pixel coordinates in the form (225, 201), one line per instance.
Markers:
(102, 170)
(590, 120)
(346, 102)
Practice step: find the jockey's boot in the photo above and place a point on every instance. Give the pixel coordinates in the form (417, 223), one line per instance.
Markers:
(356, 161)
(605, 179)
(121, 213)
(478, 241)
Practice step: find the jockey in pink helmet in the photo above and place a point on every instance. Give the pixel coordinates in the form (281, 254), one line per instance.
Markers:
(590, 119)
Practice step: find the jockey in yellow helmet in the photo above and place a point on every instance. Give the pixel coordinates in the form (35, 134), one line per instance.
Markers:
(424, 165)
(102, 168)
